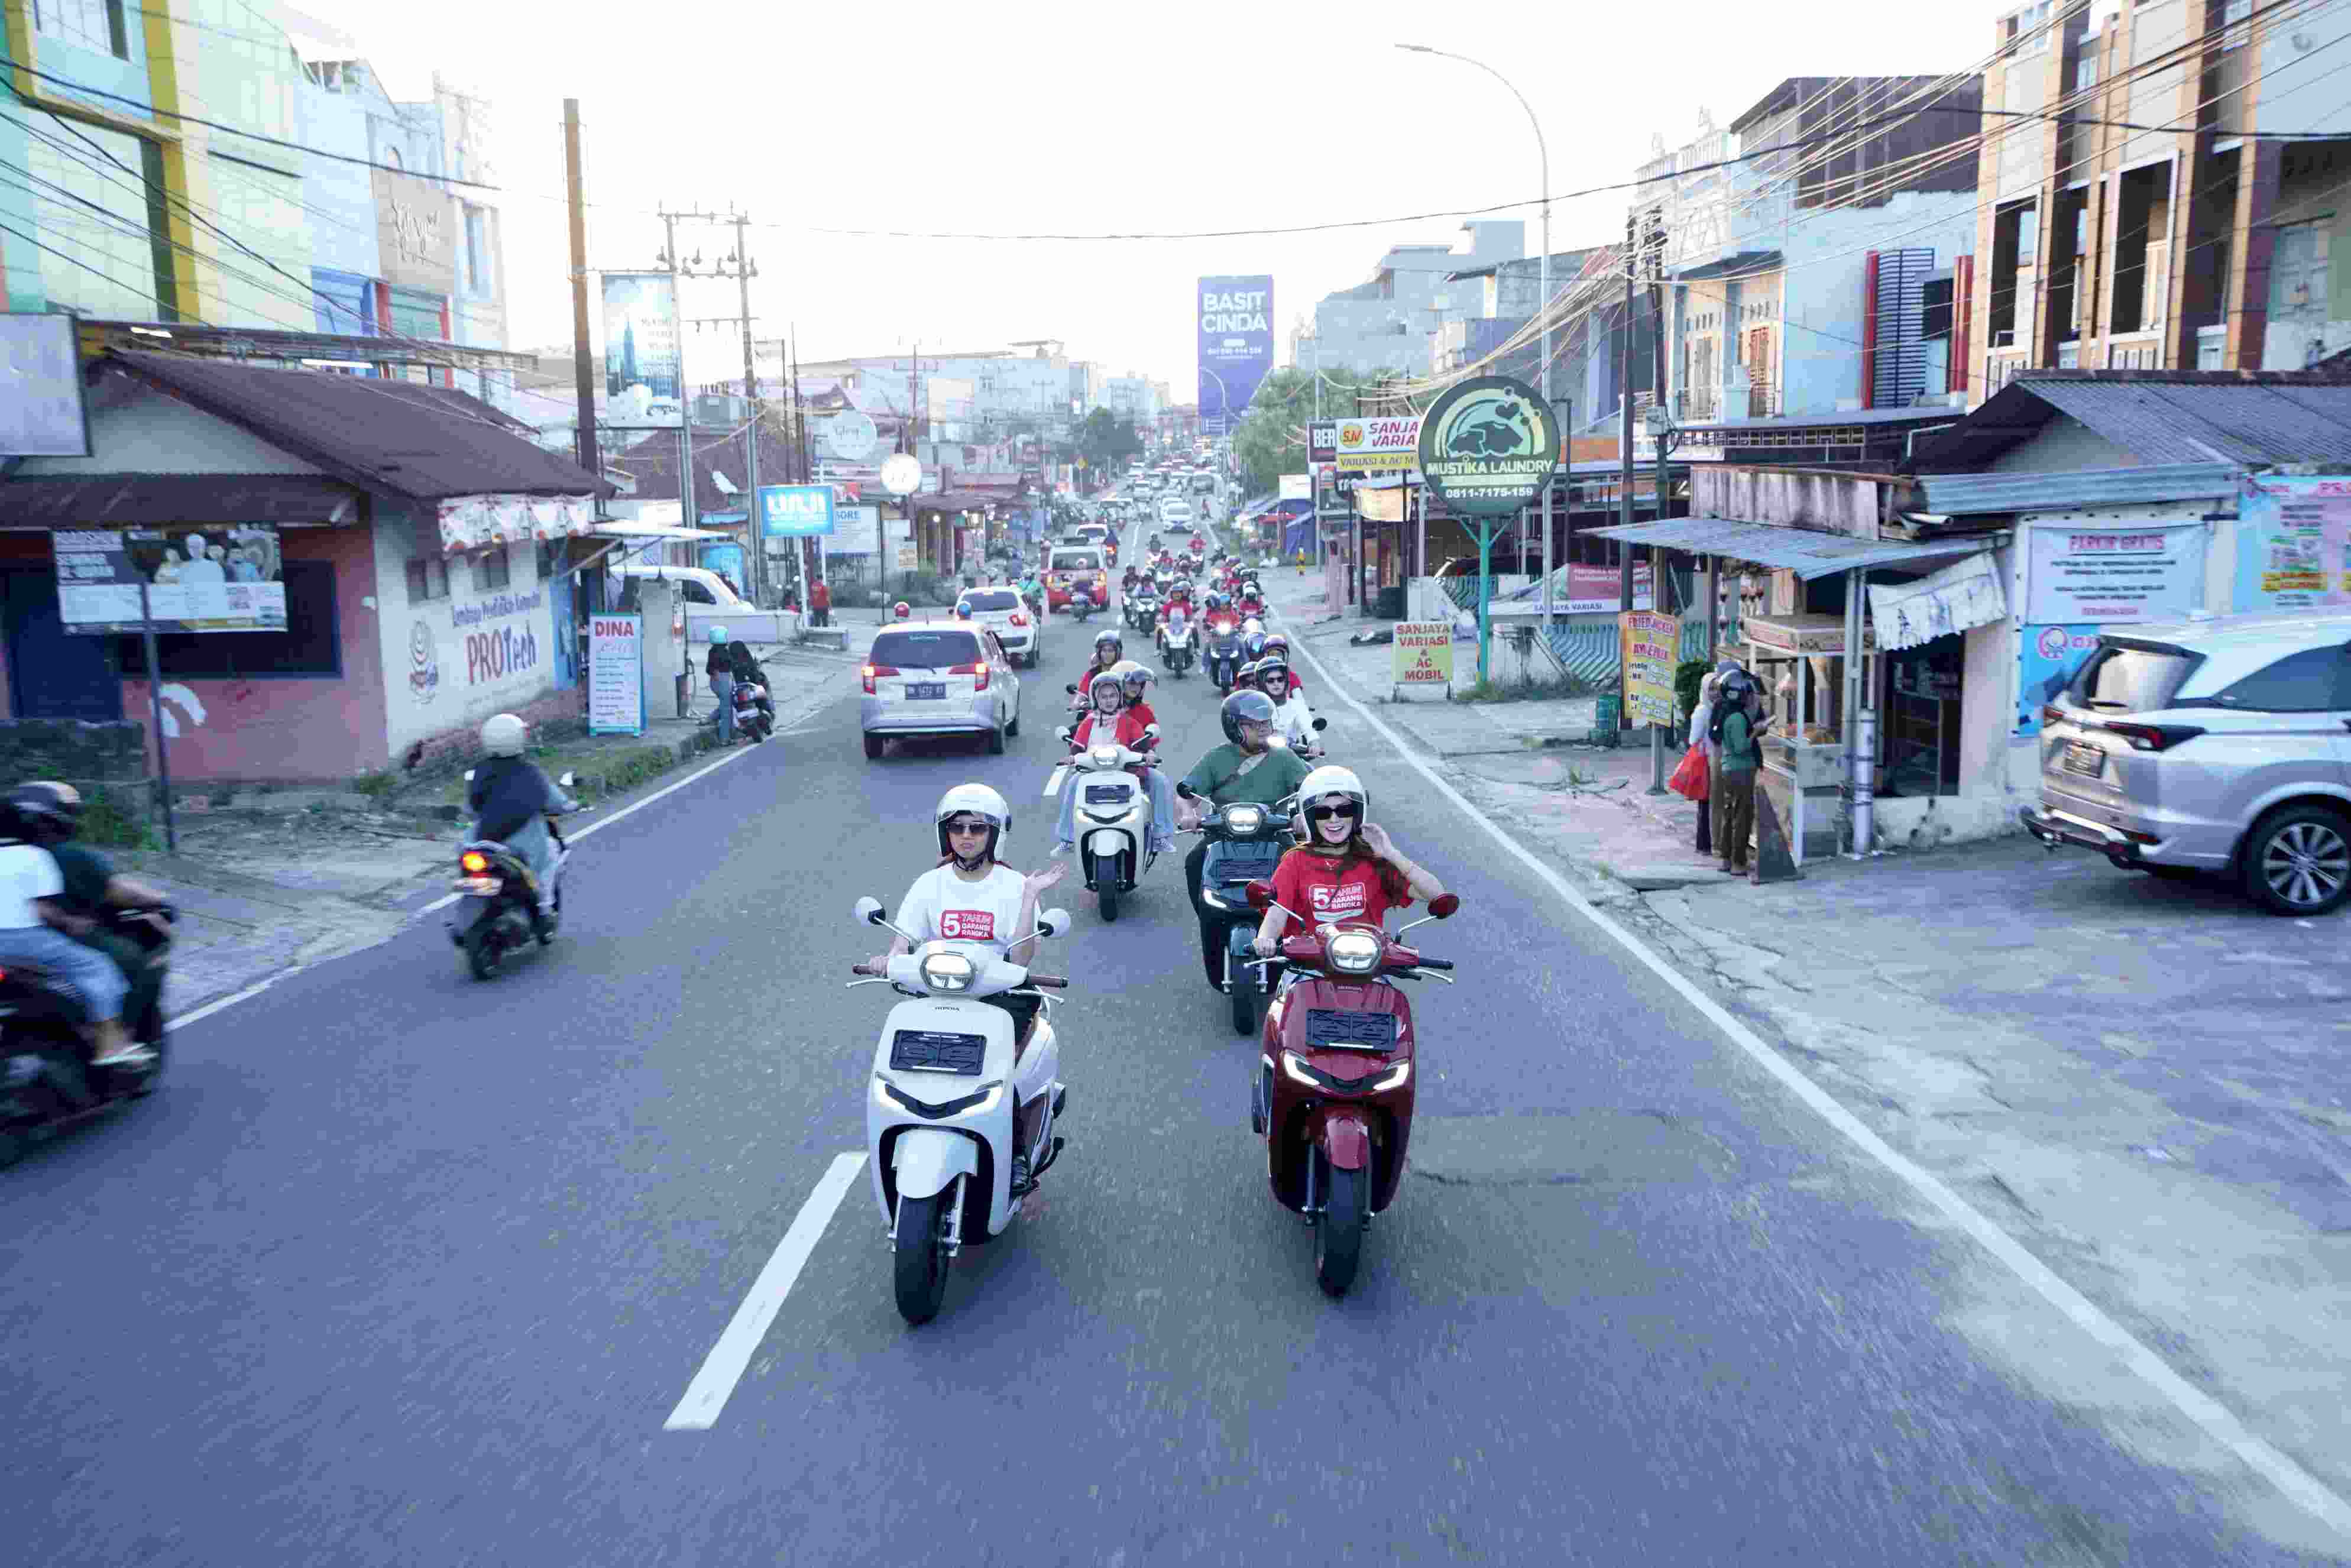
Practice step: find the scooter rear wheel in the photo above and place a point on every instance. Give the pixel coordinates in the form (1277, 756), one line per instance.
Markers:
(481, 952)
(1339, 1233)
(918, 1262)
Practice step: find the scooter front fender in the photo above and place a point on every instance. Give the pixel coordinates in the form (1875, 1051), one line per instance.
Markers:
(926, 1159)
(1345, 1140)
(1107, 842)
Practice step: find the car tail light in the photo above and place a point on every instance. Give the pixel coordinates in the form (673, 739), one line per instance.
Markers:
(870, 671)
(2051, 714)
(2154, 736)
(1019, 619)
(978, 674)
(475, 861)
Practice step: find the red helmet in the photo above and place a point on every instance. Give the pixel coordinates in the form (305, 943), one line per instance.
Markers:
(903, 611)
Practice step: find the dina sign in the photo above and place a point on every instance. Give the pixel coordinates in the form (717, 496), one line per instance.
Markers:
(1487, 445)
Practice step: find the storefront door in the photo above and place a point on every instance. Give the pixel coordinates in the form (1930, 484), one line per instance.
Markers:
(51, 674)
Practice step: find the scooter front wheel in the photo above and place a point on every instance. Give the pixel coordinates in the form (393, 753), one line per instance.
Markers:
(1108, 895)
(1244, 990)
(1339, 1233)
(919, 1260)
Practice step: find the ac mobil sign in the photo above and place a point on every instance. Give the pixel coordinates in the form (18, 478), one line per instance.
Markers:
(1234, 316)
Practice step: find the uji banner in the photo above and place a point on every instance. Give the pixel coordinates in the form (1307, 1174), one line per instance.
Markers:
(616, 674)
(1422, 654)
(1235, 318)
(1651, 643)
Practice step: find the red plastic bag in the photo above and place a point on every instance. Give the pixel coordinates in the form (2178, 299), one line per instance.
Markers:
(1690, 779)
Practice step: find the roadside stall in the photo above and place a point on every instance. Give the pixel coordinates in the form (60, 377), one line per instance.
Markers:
(1800, 660)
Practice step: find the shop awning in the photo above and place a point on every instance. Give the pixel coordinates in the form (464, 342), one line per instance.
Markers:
(138, 500)
(627, 531)
(1806, 553)
(1952, 600)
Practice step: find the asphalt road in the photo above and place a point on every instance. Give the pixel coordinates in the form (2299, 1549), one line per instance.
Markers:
(404, 1269)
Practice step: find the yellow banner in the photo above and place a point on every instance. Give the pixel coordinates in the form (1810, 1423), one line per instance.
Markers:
(1423, 653)
(1652, 644)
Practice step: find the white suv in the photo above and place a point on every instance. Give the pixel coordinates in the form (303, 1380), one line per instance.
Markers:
(2220, 745)
(1003, 611)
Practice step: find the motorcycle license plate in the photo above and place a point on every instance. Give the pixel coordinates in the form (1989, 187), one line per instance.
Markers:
(934, 1050)
(1335, 1028)
(1104, 794)
(927, 691)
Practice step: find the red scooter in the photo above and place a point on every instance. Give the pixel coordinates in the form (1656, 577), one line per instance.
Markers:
(1333, 1091)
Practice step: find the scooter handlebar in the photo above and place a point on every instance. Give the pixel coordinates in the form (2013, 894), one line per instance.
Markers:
(1434, 964)
(1050, 982)
(870, 970)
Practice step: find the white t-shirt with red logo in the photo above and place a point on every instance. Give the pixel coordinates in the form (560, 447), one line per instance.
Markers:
(943, 907)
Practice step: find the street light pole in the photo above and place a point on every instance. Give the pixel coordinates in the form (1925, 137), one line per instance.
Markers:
(1542, 152)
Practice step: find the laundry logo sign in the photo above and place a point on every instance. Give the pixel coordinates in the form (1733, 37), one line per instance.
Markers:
(1488, 445)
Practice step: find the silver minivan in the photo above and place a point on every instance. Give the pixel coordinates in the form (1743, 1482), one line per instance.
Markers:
(2220, 745)
(939, 677)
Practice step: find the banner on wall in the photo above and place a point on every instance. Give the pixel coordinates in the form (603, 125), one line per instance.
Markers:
(199, 578)
(2046, 656)
(1652, 644)
(2113, 573)
(2292, 551)
(616, 674)
(860, 531)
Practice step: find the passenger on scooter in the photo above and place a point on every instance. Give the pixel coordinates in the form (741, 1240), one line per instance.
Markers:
(511, 798)
(971, 896)
(1295, 719)
(32, 931)
(1109, 649)
(1110, 718)
(52, 812)
(1248, 767)
(1277, 646)
(1348, 871)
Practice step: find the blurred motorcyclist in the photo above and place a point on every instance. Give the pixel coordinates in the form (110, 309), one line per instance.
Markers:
(1109, 719)
(511, 798)
(1109, 649)
(1248, 767)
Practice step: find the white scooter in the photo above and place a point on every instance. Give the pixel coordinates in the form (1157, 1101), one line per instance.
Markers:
(1176, 649)
(938, 1112)
(1112, 819)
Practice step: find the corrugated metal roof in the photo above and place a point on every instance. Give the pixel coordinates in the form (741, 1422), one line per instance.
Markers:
(1969, 495)
(1801, 550)
(2252, 423)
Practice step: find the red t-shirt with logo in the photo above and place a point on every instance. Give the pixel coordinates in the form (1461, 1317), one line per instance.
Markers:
(1316, 887)
(1124, 727)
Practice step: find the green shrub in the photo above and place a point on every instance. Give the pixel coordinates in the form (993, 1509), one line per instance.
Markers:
(376, 785)
(1686, 677)
(106, 820)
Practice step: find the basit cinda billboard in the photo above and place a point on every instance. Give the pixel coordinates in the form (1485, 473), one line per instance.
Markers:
(1235, 318)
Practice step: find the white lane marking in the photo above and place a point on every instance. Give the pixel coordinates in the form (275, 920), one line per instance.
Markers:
(600, 823)
(706, 1396)
(2306, 1490)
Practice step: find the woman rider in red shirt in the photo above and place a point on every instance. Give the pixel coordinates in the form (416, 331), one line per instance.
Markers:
(1348, 872)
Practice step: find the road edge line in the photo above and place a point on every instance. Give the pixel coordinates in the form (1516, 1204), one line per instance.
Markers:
(706, 1397)
(2218, 1423)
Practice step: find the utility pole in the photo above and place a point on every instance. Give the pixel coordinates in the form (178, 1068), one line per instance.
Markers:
(738, 264)
(1625, 399)
(583, 373)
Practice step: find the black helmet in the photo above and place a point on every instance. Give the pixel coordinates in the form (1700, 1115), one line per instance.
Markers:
(1108, 636)
(46, 807)
(1255, 707)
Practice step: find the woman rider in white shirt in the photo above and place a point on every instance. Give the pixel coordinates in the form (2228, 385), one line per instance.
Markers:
(971, 896)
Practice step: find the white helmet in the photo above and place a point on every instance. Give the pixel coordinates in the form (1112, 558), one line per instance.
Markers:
(978, 800)
(1332, 780)
(503, 736)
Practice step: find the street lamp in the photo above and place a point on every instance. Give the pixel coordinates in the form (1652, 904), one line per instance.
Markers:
(1542, 152)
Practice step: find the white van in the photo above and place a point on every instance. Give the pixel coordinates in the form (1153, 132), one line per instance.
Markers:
(700, 586)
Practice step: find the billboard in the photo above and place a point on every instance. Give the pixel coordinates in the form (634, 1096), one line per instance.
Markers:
(200, 577)
(643, 358)
(1235, 318)
(2294, 542)
(1378, 443)
(41, 412)
(795, 511)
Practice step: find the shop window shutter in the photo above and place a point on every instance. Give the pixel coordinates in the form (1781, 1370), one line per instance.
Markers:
(1899, 373)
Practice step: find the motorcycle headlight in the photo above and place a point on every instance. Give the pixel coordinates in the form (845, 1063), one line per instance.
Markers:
(1395, 1077)
(1245, 819)
(1105, 756)
(1354, 952)
(947, 972)
(1294, 1065)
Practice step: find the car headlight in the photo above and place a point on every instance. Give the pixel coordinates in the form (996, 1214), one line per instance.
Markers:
(1245, 819)
(1354, 952)
(947, 972)
(1105, 756)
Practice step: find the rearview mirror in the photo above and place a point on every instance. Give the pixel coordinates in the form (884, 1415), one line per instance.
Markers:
(1053, 922)
(869, 910)
(1260, 896)
(1444, 905)
(568, 780)
(469, 776)
(1072, 689)
(1321, 725)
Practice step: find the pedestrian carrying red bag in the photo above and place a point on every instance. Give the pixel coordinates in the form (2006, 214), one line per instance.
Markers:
(1690, 779)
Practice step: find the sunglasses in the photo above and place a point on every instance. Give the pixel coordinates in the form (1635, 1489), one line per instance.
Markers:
(1324, 813)
(966, 826)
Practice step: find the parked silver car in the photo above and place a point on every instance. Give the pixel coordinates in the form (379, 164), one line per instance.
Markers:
(2221, 744)
(939, 677)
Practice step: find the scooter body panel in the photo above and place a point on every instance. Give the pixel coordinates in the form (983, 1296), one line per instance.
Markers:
(950, 1106)
(1337, 1114)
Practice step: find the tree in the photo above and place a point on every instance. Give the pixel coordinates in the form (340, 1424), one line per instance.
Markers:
(1271, 439)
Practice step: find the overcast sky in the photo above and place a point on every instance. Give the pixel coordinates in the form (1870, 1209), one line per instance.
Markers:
(1082, 118)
